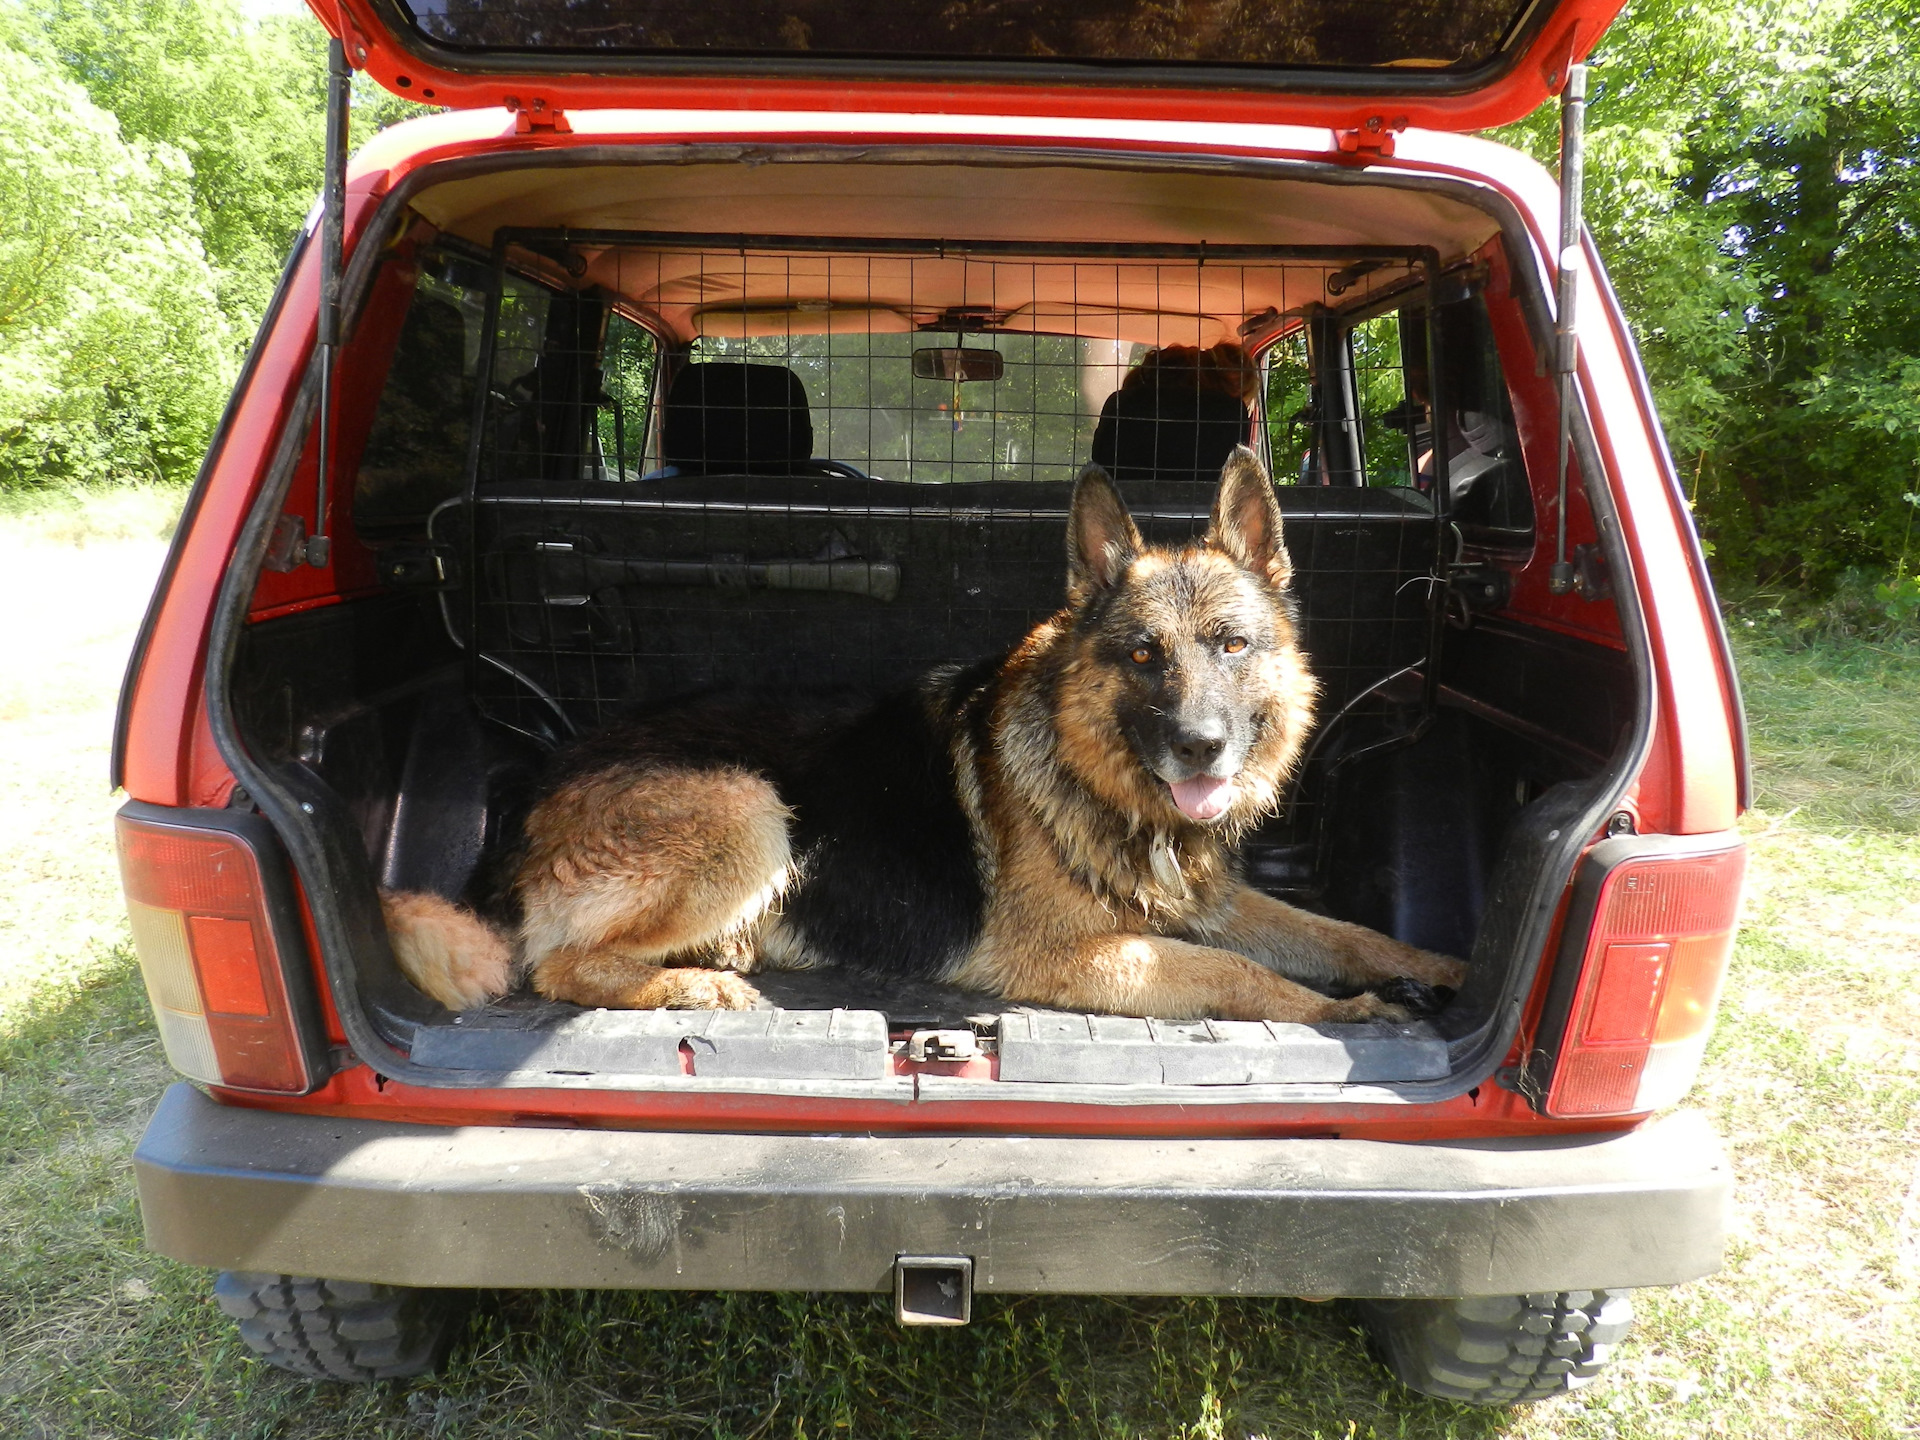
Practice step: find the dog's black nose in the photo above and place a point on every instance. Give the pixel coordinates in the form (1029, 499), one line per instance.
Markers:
(1200, 745)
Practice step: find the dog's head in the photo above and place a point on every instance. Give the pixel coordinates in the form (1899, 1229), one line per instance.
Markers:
(1185, 697)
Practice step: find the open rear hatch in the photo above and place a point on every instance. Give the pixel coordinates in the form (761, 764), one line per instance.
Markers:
(559, 566)
(1443, 64)
(523, 582)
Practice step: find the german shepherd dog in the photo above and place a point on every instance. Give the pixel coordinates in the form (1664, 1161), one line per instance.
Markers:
(1055, 826)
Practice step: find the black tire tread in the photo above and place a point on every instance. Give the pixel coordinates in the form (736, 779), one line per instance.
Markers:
(337, 1329)
(1499, 1349)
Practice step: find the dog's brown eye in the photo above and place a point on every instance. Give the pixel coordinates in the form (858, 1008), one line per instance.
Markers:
(1141, 655)
(1235, 644)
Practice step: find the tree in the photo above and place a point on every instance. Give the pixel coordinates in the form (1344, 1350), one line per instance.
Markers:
(243, 100)
(114, 352)
(1755, 187)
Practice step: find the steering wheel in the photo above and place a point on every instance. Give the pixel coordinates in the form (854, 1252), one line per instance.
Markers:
(840, 467)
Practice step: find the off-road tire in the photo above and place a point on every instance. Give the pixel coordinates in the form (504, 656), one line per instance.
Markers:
(1499, 1349)
(339, 1329)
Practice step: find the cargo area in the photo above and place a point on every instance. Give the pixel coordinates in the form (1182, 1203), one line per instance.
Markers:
(626, 433)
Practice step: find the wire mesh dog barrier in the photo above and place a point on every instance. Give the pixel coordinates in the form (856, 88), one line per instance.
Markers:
(827, 464)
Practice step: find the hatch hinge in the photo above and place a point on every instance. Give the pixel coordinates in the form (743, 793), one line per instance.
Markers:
(1372, 138)
(537, 115)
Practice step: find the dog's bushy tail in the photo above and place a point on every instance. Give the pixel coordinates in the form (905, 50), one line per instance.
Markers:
(447, 951)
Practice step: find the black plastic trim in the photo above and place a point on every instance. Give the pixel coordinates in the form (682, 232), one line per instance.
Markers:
(282, 906)
(522, 1206)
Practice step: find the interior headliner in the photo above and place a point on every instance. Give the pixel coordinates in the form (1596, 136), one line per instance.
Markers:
(692, 291)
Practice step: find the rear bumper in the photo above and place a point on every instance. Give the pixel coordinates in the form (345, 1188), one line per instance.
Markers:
(509, 1207)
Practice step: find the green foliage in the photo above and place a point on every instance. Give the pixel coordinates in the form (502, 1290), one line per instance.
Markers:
(160, 158)
(114, 352)
(244, 101)
(1754, 182)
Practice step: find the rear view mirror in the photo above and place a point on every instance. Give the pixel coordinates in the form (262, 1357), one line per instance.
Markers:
(958, 363)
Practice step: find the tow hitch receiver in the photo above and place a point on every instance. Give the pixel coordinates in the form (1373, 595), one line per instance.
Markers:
(933, 1289)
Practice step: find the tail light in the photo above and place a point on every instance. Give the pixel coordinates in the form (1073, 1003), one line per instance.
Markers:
(211, 908)
(1632, 1000)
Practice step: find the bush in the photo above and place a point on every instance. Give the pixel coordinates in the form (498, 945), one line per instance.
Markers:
(1754, 182)
(244, 101)
(115, 354)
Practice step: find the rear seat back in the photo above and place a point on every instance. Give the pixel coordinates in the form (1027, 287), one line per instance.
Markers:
(605, 595)
(1168, 433)
(726, 417)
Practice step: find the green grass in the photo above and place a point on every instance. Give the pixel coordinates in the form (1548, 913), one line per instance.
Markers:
(1814, 1077)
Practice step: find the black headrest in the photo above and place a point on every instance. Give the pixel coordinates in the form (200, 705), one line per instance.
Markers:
(724, 415)
(1168, 432)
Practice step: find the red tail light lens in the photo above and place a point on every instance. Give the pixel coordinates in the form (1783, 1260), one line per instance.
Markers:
(197, 900)
(1633, 1025)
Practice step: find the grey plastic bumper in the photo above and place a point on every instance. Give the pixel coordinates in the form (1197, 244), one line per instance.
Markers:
(511, 1207)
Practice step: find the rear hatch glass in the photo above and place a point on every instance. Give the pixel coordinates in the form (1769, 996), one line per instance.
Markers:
(1460, 64)
(1347, 34)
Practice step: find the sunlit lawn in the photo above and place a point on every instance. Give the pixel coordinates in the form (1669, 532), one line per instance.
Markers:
(1814, 1077)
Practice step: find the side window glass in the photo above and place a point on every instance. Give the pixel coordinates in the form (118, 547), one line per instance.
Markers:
(1491, 499)
(1389, 417)
(521, 336)
(514, 442)
(416, 450)
(1373, 385)
(1289, 408)
(629, 361)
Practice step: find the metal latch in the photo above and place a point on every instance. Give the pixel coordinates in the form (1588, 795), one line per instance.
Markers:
(537, 114)
(933, 1289)
(1374, 136)
(925, 1045)
(1591, 578)
(290, 546)
(411, 566)
(1478, 588)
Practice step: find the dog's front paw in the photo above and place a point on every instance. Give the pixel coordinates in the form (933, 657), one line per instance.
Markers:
(1361, 1009)
(1407, 962)
(686, 989)
(1416, 997)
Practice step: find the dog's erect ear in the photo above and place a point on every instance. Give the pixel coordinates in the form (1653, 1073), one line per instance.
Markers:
(1101, 537)
(1246, 519)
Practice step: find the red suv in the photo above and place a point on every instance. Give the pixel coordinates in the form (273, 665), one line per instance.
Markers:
(702, 345)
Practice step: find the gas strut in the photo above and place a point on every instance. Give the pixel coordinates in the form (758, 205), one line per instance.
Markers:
(1573, 128)
(333, 230)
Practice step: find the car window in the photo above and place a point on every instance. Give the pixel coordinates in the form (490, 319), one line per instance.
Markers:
(629, 363)
(416, 450)
(1388, 422)
(1288, 402)
(1492, 499)
(1349, 402)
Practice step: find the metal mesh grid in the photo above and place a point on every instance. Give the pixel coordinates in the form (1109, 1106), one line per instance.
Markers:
(764, 465)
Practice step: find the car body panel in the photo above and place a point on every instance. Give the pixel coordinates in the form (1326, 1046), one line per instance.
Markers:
(1689, 784)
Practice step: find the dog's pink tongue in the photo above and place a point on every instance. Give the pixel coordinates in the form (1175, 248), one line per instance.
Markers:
(1203, 797)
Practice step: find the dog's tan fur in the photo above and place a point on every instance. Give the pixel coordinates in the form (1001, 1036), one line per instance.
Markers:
(635, 874)
(448, 952)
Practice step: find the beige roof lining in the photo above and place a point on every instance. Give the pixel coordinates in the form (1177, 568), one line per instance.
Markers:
(690, 292)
